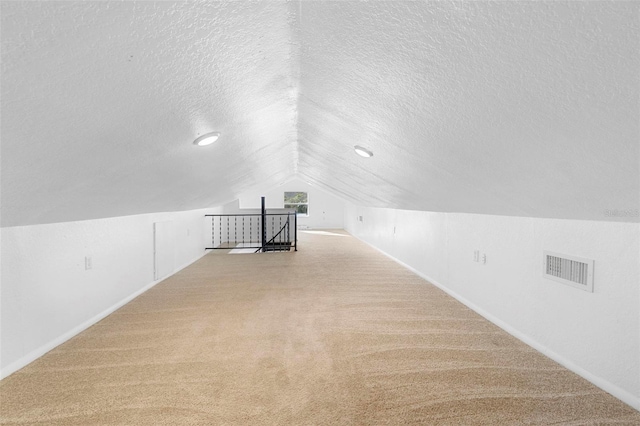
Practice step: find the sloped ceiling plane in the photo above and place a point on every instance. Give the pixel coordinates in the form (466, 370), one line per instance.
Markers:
(509, 108)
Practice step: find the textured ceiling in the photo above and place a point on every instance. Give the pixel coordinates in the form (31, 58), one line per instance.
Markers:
(512, 108)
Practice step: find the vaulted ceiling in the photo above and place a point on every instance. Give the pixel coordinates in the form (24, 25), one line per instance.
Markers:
(509, 108)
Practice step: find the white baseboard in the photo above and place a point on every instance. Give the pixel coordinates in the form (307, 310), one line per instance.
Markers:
(35, 354)
(621, 394)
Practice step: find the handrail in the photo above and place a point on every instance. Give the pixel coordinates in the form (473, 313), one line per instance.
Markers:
(249, 214)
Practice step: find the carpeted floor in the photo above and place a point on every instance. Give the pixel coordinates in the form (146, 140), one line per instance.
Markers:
(335, 334)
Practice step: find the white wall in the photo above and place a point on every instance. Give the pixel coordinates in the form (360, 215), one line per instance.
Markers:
(597, 334)
(47, 295)
(325, 210)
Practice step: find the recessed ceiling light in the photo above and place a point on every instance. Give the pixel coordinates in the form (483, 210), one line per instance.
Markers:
(363, 152)
(207, 139)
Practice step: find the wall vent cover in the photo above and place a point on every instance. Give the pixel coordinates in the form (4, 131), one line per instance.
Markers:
(571, 270)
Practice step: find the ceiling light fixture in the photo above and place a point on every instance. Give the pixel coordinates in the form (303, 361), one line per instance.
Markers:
(207, 139)
(363, 152)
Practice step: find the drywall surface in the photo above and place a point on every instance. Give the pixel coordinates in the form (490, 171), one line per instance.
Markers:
(111, 96)
(48, 294)
(520, 108)
(325, 210)
(595, 334)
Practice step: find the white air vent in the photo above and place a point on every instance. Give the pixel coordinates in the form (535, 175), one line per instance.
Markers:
(571, 270)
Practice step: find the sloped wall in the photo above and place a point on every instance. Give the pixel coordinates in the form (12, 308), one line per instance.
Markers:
(597, 335)
(48, 295)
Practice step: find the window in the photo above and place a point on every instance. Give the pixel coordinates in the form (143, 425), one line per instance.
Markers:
(298, 201)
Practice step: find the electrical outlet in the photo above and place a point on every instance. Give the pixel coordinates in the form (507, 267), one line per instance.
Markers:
(484, 258)
(88, 263)
(476, 255)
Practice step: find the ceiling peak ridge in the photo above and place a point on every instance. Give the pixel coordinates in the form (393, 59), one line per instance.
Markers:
(295, 55)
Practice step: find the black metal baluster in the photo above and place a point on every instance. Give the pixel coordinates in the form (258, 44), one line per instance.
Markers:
(242, 231)
(263, 226)
(235, 230)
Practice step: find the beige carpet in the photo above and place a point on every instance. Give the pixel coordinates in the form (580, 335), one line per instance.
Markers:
(335, 334)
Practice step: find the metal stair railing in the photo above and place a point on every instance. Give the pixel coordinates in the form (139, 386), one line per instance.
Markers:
(250, 231)
(280, 245)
